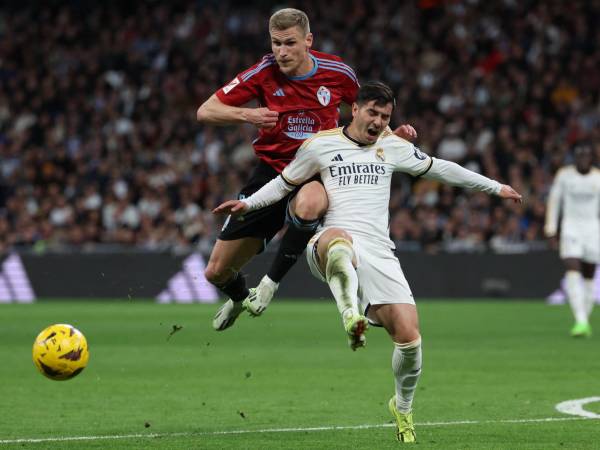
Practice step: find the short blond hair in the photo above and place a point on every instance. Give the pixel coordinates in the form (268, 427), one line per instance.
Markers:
(288, 18)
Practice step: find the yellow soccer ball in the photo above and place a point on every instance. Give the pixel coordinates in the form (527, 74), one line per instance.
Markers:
(60, 352)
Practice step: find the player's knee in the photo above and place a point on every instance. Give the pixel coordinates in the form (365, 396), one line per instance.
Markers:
(216, 273)
(404, 332)
(588, 270)
(333, 237)
(406, 337)
(307, 208)
(211, 274)
(572, 264)
(311, 202)
(332, 234)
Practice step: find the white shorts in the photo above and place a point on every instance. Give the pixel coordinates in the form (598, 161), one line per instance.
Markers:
(580, 244)
(380, 278)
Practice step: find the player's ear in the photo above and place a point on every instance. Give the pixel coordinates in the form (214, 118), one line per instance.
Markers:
(354, 109)
(309, 40)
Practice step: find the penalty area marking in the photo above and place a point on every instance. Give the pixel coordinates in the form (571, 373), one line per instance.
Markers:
(575, 407)
(279, 430)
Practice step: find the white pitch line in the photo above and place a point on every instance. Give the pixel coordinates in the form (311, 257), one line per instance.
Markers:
(575, 407)
(280, 430)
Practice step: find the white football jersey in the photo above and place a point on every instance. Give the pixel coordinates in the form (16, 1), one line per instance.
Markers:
(577, 197)
(357, 178)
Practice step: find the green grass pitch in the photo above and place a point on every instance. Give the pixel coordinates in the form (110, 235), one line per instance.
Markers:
(286, 379)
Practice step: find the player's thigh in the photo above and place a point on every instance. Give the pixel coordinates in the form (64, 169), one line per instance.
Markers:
(230, 256)
(310, 202)
(400, 320)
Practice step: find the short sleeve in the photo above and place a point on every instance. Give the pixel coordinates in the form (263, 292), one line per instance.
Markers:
(246, 85)
(346, 80)
(350, 85)
(304, 166)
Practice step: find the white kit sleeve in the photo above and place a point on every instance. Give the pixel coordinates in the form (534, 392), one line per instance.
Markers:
(302, 167)
(270, 193)
(455, 175)
(553, 207)
(408, 158)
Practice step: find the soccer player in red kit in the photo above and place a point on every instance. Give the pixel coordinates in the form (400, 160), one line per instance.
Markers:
(299, 91)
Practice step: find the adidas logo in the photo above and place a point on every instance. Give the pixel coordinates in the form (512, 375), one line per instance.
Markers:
(189, 285)
(279, 93)
(338, 157)
(14, 282)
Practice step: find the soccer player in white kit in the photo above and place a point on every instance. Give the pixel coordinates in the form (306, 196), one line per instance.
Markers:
(575, 194)
(352, 251)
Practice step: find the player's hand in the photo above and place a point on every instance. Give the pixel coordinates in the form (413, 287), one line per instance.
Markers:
(262, 117)
(549, 231)
(233, 207)
(407, 132)
(508, 192)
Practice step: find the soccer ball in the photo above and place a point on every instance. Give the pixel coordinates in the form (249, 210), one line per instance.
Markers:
(60, 352)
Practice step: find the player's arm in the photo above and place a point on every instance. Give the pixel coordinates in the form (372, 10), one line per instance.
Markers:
(408, 158)
(553, 208)
(301, 169)
(214, 112)
(453, 174)
(270, 193)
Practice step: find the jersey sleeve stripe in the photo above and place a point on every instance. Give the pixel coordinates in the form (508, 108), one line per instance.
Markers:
(344, 67)
(336, 63)
(288, 182)
(345, 70)
(428, 168)
(265, 63)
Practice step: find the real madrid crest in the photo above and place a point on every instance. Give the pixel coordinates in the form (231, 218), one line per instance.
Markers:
(324, 96)
(379, 154)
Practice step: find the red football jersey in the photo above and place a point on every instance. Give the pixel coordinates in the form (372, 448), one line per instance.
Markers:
(305, 104)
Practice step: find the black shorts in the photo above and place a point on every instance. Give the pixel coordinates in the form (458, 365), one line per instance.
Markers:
(262, 223)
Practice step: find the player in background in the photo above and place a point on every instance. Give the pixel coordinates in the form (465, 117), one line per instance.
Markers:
(352, 250)
(299, 91)
(575, 194)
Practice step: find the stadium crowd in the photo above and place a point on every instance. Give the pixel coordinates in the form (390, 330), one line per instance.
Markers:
(99, 143)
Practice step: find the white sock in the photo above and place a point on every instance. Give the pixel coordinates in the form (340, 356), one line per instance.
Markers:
(588, 289)
(406, 364)
(574, 288)
(268, 282)
(341, 276)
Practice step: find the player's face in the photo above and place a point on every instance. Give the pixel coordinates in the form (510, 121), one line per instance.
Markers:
(583, 161)
(290, 48)
(369, 120)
